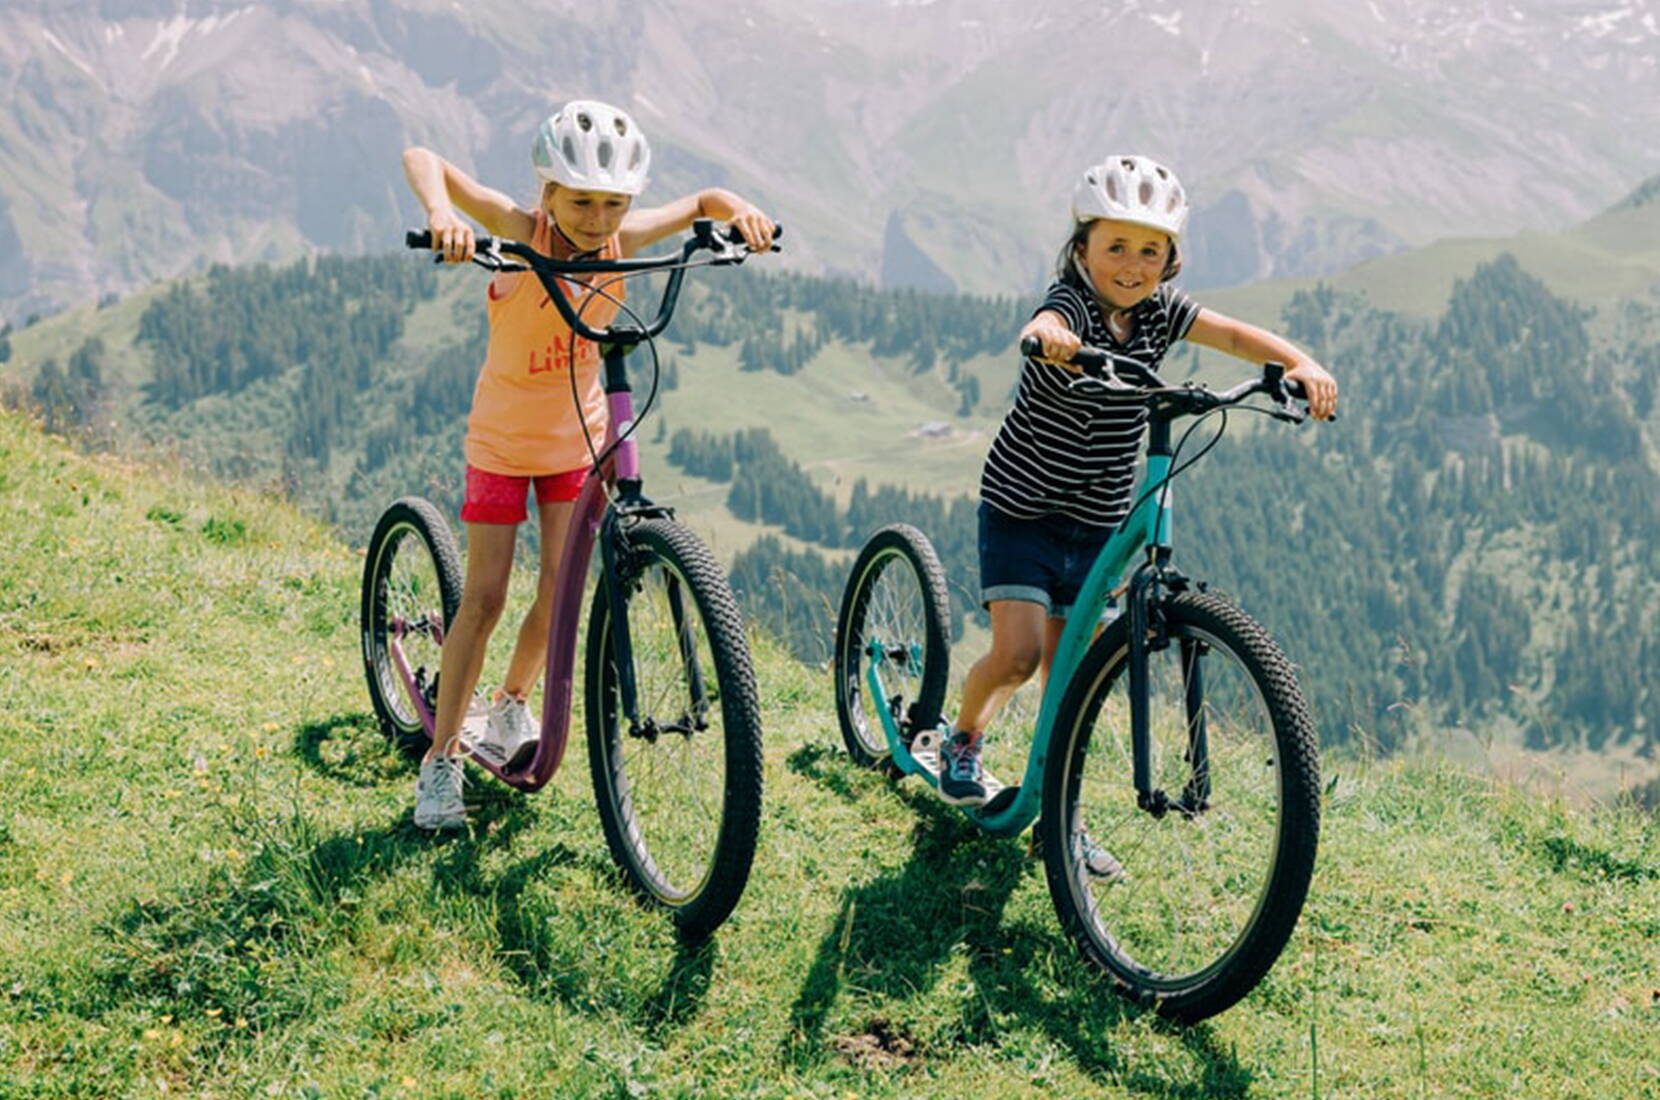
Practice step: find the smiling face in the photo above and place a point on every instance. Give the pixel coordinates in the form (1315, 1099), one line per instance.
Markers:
(588, 218)
(1124, 260)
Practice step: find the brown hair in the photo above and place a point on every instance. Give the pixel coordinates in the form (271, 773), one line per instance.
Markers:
(1066, 261)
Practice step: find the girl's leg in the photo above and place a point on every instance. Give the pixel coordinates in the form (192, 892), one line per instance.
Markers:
(1053, 628)
(1018, 649)
(484, 593)
(530, 654)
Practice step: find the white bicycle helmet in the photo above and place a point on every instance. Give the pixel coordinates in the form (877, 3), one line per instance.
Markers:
(592, 146)
(1132, 189)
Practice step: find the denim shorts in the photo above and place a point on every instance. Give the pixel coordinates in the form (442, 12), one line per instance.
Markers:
(1043, 561)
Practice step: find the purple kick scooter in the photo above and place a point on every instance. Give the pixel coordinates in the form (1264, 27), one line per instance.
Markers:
(673, 719)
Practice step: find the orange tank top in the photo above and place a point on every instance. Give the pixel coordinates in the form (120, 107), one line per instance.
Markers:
(524, 420)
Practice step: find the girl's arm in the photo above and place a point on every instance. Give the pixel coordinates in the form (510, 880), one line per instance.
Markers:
(1216, 330)
(441, 187)
(644, 227)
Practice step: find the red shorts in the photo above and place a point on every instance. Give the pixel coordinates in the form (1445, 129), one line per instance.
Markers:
(500, 498)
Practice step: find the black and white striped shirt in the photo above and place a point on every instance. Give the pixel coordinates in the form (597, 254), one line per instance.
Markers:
(1075, 453)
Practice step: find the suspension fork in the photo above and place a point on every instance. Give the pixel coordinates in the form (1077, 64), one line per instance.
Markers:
(1141, 588)
(1196, 794)
(688, 653)
(1149, 631)
(614, 557)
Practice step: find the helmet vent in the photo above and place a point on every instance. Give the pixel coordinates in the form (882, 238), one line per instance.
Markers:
(1145, 191)
(621, 126)
(634, 161)
(604, 153)
(568, 147)
(1163, 175)
(585, 121)
(1114, 192)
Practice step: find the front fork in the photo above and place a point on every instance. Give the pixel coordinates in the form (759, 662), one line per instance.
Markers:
(1150, 633)
(612, 554)
(620, 574)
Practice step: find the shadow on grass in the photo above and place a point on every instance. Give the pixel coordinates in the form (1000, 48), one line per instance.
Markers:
(832, 770)
(893, 938)
(256, 941)
(350, 749)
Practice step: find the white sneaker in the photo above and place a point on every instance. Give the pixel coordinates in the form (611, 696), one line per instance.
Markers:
(509, 738)
(438, 794)
(472, 723)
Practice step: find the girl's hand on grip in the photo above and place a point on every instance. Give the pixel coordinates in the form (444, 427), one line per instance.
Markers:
(452, 238)
(756, 228)
(1320, 387)
(1060, 343)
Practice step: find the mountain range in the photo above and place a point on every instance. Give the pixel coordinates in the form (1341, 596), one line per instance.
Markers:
(927, 143)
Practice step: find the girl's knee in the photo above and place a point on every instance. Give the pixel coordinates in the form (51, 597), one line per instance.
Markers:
(485, 603)
(1016, 663)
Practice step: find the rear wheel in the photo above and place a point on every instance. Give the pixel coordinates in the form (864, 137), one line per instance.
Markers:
(411, 588)
(1188, 908)
(894, 612)
(679, 782)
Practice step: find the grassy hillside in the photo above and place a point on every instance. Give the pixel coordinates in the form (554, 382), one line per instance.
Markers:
(209, 885)
(1613, 256)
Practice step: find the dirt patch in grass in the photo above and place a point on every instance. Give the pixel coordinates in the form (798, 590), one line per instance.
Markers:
(879, 1046)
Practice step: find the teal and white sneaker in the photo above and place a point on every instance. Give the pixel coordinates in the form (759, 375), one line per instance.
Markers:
(962, 779)
(438, 794)
(1097, 863)
(510, 735)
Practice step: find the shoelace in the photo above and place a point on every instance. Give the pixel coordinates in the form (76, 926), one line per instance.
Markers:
(963, 761)
(516, 717)
(450, 774)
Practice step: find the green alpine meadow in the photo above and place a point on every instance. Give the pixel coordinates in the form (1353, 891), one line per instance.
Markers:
(210, 886)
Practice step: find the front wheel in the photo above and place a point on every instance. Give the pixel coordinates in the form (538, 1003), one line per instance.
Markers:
(894, 613)
(1188, 908)
(411, 588)
(678, 782)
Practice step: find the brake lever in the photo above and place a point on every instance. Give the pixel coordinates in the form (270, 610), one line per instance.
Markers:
(1093, 378)
(1279, 392)
(1089, 384)
(724, 248)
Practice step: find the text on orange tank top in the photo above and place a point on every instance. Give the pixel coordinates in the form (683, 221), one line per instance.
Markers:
(524, 420)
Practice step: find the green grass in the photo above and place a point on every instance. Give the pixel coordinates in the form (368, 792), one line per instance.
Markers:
(209, 885)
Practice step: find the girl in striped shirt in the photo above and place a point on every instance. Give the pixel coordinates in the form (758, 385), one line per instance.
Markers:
(1060, 472)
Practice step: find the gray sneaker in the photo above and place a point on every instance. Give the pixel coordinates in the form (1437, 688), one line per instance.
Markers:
(438, 794)
(510, 736)
(1096, 861)
(961, 776)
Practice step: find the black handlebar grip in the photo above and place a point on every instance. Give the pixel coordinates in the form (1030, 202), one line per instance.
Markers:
(422, 238)
(735, 235)
(1085, 358)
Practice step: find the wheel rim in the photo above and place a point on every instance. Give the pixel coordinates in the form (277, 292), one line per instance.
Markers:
(406, 591)
(892, 611)
(669, 790)
(1194, 885)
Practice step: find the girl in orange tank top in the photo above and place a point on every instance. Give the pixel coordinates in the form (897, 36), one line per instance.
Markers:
(524, 430)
